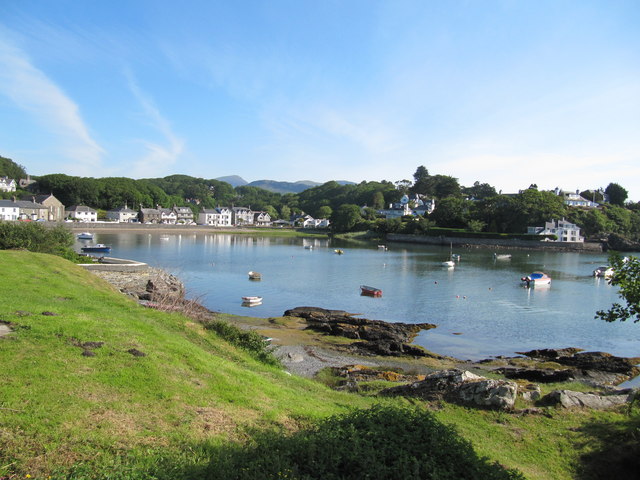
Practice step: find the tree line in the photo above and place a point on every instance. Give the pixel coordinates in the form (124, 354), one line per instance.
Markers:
(477, 208)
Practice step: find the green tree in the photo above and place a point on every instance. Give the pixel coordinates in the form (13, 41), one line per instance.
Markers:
(346, 218)
(324, 211)
(617, 194)
(451, 212)
(9, 168)
(627, 277)
(285, 212)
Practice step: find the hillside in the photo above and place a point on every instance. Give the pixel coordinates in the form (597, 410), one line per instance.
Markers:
(95, 386)
(62, 407)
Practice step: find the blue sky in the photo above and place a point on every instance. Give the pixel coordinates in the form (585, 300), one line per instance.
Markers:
(504, 92)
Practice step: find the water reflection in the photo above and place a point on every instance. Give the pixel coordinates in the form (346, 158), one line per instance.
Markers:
(480, 298)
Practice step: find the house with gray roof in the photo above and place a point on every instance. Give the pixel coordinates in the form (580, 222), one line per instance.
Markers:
(82, 213)
(122, 214)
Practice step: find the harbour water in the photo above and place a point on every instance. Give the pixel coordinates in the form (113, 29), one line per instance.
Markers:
(479, 306)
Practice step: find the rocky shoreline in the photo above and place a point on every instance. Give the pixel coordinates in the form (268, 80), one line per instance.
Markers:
(378, 349)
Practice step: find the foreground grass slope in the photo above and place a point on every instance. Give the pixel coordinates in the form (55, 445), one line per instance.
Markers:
(93, 385)
(61, 407)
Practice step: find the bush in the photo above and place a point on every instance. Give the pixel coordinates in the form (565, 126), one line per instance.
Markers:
(384, 442)
(250, 341)
(35, 237)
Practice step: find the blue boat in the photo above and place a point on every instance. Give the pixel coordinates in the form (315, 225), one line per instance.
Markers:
(97, 248)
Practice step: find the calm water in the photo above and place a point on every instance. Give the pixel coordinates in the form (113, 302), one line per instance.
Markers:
(479, 306)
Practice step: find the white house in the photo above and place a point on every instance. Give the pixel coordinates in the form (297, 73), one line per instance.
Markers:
(7, 184)
(241, 216)
(565, 231)
(261, 219)
(82, 213)
(9, 210)
(575, 199)
(183, 215)
(216, 217)
(122, 214)
(168, 216)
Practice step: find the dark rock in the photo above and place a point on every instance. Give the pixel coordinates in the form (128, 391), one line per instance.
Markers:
(597, 367)
(551, 353)
(544, 375)
(136, 353)
(88, 353)
(379, 337)
(49, 314)
(621, 244)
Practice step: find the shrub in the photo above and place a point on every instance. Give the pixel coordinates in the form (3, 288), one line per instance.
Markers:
(384, 442)
(35, 237)
(249, 341)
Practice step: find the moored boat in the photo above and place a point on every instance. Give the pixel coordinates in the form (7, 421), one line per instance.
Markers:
(449, 264)
(603, 271)
(252, 300)
(85, 236)
(97, 248)
(536, 279)
(503, 256)
(370, 291)
(338, 251)
(255, 275)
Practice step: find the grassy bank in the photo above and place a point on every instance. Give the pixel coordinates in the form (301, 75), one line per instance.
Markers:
(93, 385)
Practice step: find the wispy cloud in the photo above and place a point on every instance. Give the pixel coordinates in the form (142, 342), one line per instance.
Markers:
(160, 157)
(32, 91)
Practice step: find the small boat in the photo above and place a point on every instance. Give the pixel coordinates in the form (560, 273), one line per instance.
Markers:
(603, 272)
(536, 279)
(504, 256)
(252, 300)
(383, 247)
(85, 236)
(338, 251)
(308, 247)
(455, 257)
(255, 276)
(97, 248)
(370, 291)
(449, 263)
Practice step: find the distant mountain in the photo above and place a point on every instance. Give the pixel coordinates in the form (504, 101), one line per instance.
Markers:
(234, 180)
(284, 187)
(276, 186)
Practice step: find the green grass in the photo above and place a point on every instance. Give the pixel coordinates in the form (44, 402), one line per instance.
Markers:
(59, 408)
(194, 396)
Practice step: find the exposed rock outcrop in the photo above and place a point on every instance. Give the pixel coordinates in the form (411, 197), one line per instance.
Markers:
(378, 337)
(592, 367)
(462, 387)
(570, 399)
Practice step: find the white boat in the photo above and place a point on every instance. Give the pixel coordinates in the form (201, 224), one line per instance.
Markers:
(455, 257)
(449, 263)
(536, 279)
(85, 236)
(255, 276)
(504, 256)
(603, 271)
(252, 300)
(309, 247)
(382, 247)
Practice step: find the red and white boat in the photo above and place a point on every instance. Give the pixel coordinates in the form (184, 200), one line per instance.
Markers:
(370, 291)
